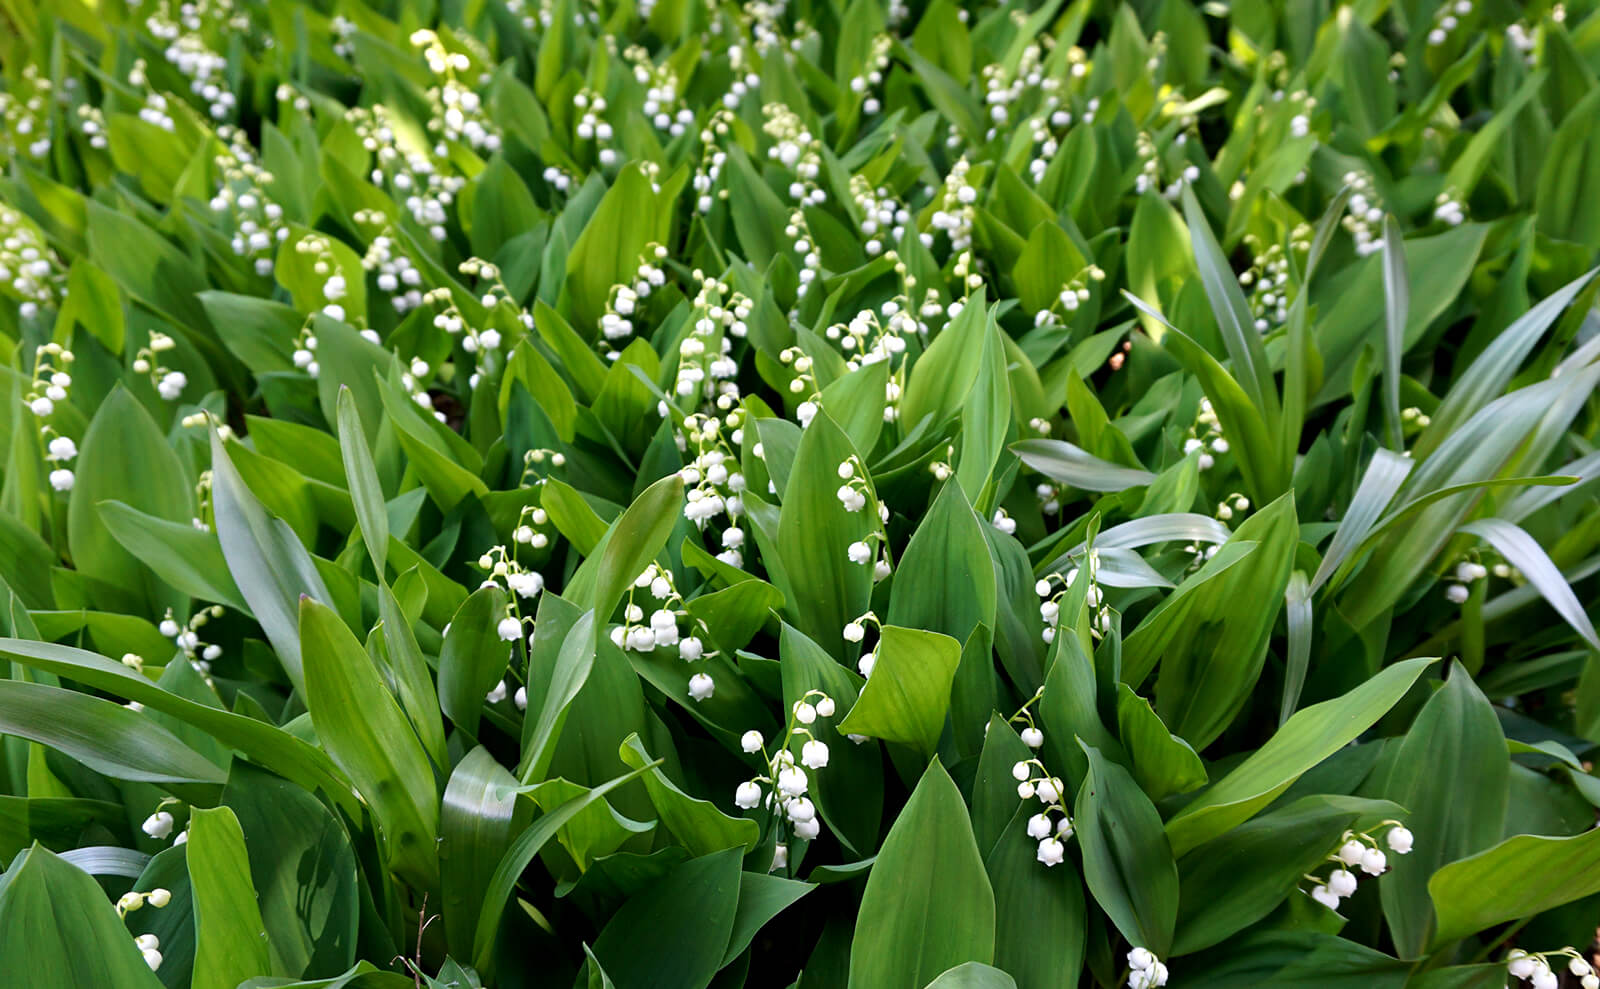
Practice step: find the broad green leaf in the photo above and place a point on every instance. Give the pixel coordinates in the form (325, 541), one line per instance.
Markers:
(697, 824)
(124, 456)
(1163, 763)
(522, 851)
(473, 657)
(908, 693)
(674, 934)
(973, 975)
(928, 904)
(1307, 738)
(1040, 915)
(814, 534)
(188, 559)
(561, 684)
(1061, 461)
(1451, 774)
(477, 818)
(1235, 880)
(104, 736)
(271, 747)
(1522, 876)
(366, 734)
(58, 928)
(1127, 861)
(269, 564)
(1521, 551)
(849, 795)
(365, 491)
(232, 942)
(310, 915)
(944, 375)
(632, 543)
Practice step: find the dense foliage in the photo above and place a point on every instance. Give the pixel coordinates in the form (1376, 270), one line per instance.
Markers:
(835, 493)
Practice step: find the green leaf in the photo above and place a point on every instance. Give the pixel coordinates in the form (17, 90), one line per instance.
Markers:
(697, 824)
(674, 934)
(365, 491)
(473, 657)
(944, 375)
(908, 694)
(367, 735)
(231, 941)
(1520, 550)
(522, 851)
(1127, 861)
(564, 680)
(1522, 876)
(1235, 880)
(477, 818)
(310, 915)
(1061, 461)
(1307, 738)
(1163, 763)
(632, 542)
(849, 796)
(270, 566)
(1397, 303)
(1040, 915)
(928, 905)
(104, 736)
(125, 456)
(271, 747)
(1235, 321)
(1452, 774)
(814, 536)
(761, 898)
(58, 927)
(973, 975)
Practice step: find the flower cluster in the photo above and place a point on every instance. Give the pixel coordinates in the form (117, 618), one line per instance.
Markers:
(1052, 587)
(168, 382)
(1446, 18)
(1363, 213)
(29, 270)
(714, 482)
(784, 783)
(1145, 970)
(186, 636)
(49, 388)
(1358, 849)
(1205, 437)
(1051, 827)
(1267, 279)
(798, 150)
(1447, 208)
(149, 945)
(954, 211)
(669, 626)
(1535, 968)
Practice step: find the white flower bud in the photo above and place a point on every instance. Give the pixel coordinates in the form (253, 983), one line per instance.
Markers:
(814, 754)
(1032, 737)
(158, 825)
(1373, 862)
(748, 796)
(509, 629)
(1341, 882)
(1052, 852)
(159, 897)
(1399, 840)
(751, 741)
(1039, 826)
(701, 687)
